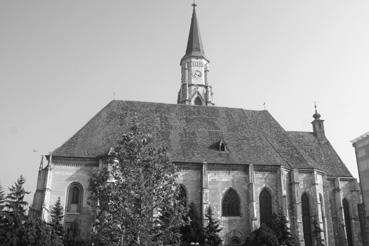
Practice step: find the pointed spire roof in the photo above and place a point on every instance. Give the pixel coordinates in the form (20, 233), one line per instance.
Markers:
(194, 43)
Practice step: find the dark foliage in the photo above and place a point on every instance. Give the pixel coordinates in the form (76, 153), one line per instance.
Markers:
(2, 198)
(56, 219)
(38, 233)
(263, 236)
(16, 228)
(192, 231)
(72, 236)
(211, 237)
(12, 225)
(280, 228)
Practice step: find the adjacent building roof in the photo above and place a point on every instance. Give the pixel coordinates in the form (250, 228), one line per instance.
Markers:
(191, 132)
(365, 135)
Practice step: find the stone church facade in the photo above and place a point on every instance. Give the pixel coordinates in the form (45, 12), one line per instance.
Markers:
(240, 162)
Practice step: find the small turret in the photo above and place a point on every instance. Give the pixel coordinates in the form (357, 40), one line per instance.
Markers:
(318, 126)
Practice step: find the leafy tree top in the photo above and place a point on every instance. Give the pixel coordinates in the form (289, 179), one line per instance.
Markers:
(133, 191)
(57, 212)
(14, 202)
(262, 236)
(56, 218)
(279, 225)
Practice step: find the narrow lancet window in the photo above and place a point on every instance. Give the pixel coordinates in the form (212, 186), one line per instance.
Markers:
(231, 204)
(346, 211)
(266, 209)
(306, 220)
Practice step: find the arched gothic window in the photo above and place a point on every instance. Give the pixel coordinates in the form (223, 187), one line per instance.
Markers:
(198, 101)
(74, 198)
(231, 203)
(182, 194)
(346, 211)
(306, 222)
(265, 205)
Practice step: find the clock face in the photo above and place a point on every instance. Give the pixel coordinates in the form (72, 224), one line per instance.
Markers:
(196, 74)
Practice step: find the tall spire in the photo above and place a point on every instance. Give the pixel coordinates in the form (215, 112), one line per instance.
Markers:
(195, 88)
(194, 43)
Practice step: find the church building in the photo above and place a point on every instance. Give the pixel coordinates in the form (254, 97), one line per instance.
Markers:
(240, 162)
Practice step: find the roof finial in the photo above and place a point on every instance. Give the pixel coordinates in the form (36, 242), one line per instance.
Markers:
(316, 115)
(194, 4)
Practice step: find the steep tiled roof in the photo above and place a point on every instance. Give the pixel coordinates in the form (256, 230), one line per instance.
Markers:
(191, 132)
(321, 152)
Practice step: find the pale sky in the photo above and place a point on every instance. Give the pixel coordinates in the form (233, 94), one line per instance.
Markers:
(63, 61)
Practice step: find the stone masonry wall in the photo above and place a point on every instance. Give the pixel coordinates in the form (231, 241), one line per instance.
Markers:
(65, 172)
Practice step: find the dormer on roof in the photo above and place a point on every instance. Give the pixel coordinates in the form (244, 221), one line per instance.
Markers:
(222, 147)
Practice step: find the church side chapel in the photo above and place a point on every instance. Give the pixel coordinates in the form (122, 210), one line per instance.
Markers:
(239, 162)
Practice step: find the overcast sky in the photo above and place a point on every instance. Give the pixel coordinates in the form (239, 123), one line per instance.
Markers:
(62, 61)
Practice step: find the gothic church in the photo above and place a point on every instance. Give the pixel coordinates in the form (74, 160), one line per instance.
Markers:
(240, 162)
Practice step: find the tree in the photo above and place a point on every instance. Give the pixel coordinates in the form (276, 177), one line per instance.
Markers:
(136, 186)
(12, 226)
(2, 215)
(281, 230)
(56, 219)
(262, 236)
(2, 199)
(72, 235)
(16, 228)
(192, 231)
(211, 237)
(39, 233)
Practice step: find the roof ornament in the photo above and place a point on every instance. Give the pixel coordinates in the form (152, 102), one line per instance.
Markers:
(194, 4)
(316, 115)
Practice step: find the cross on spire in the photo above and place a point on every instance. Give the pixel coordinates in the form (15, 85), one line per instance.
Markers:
(316, 115)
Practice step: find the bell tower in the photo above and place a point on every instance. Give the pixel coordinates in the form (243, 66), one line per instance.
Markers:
(195, 88)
